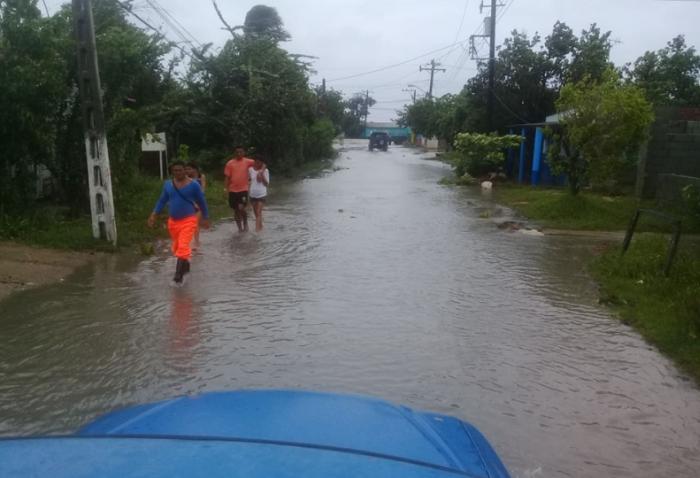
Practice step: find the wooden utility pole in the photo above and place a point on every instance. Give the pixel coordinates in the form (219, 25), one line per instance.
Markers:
(432, 68)
(99, 174)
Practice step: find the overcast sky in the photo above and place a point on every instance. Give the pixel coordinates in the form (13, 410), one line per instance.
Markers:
(352, 37)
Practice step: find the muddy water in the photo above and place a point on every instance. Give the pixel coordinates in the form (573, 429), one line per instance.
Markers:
(370, 279)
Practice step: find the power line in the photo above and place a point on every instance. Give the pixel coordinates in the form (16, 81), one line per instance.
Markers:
(173, 24)
(154, 29)
(505, 10)
(388, 67)
(459, 30)
(515, 115)
(182, 27)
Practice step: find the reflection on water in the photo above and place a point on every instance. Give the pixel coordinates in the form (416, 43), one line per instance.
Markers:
(372, 279)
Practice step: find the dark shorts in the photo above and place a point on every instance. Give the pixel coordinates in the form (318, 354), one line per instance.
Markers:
(235, 200)
(257, 200)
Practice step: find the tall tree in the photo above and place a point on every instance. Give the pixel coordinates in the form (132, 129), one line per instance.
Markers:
(590, 55)
(356, 108)
(264, 22)
(669, 76)
(603, 124)
(31, 80)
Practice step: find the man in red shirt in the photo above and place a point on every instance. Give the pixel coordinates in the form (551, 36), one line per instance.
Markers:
(236, 184)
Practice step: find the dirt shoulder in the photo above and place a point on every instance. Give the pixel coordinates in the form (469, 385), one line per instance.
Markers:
(22, 267)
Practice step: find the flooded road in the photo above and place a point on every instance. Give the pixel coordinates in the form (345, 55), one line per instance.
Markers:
(370, 279)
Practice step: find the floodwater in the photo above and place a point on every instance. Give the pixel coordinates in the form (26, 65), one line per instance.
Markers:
(370, 279)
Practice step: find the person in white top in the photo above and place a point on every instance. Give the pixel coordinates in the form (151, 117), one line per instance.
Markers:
(259, 179)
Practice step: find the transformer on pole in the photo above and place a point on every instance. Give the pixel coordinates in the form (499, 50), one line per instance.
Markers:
(99, 174)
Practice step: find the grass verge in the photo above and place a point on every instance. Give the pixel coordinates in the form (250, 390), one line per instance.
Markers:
(558, 209)
(51, 226)
(665, 310)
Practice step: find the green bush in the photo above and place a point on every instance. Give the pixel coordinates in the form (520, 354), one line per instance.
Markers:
(318, 140)
(481, 154)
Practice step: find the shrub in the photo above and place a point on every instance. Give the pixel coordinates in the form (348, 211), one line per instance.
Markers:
(481, 154)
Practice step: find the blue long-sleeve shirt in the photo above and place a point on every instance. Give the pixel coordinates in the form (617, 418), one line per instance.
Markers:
(181, 207)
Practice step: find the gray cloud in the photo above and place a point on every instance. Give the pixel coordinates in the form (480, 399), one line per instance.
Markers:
(355, 36)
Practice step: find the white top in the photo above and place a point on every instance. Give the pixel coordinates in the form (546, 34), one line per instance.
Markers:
(257, 188)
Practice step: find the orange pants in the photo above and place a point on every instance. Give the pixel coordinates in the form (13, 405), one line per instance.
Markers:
(182, 232)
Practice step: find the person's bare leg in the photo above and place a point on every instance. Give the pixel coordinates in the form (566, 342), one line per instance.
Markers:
(237, 218)
(257, 208)
(244, 217)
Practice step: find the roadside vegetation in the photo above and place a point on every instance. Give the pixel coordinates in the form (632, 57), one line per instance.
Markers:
(207, 99)
(556, 208)
(605, 112)
(665, 310)
(56, 227)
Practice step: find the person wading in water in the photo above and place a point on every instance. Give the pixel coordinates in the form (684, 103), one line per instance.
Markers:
(182, 195)
(236, 184)
(193, 172)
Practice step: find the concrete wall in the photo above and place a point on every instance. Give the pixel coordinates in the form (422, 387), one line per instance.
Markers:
(670, 189)
(674, 148)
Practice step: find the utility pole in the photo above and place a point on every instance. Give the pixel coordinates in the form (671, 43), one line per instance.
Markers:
(432, 68)
(366, 108)
(492, 64)
(99, 174)
(490, 33)
(413, 93)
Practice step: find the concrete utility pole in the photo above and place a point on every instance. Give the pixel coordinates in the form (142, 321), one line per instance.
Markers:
(432, 68)
(413, 93)
(366, 108)
(99, 174)
(492, 64)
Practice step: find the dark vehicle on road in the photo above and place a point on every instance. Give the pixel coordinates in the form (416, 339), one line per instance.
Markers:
(379, 140)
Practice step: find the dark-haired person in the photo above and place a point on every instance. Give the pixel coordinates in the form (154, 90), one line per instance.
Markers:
(259, 180)
(195, 174)
(236, 184)
(182, 195)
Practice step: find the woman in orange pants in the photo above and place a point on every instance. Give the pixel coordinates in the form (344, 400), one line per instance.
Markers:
(182, 195)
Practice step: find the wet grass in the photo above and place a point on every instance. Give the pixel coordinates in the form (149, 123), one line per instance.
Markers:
(558, 209)
(665, 310)
(52, 226)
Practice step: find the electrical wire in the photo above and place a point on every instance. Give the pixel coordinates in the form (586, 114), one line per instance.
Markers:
(154, 29)
(180, 31)
(459, 30)
(395, 65)
(515, 115)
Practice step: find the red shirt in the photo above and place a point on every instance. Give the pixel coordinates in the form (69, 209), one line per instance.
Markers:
(236, 171)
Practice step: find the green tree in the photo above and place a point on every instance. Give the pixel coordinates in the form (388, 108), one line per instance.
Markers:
(263, 22)
(602, 127)
(530, 73)
(356, 109)
(419, 116)
(32, 73)
(255, 93)
(670, 76)
(331, 106)
(590, 55)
